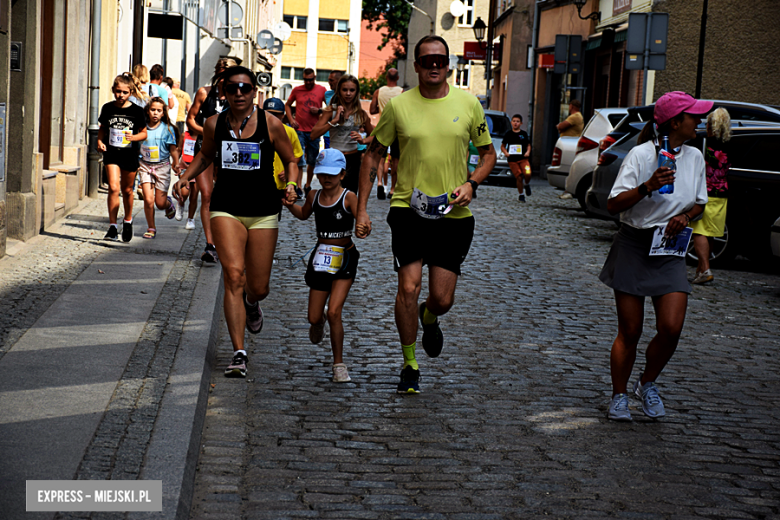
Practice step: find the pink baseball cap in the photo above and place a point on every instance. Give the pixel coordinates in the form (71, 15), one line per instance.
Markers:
(675, 103)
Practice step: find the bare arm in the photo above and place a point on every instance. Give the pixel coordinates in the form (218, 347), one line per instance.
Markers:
(322, 125)
(174, 151)
(563, 126)
(101, 146)
(487, 160)
(374, 106)
(302, 212)
(368, 173)
(140, 136)
(201, 161)
(288, 111)
(200, 97)
(630, 198)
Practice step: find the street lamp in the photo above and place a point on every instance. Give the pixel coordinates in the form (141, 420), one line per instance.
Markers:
(595, 15)
(479, 29)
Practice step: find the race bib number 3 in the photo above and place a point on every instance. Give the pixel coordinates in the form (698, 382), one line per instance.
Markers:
(118, 137)
(430, 207)
(240, 156)
(328, 259)
(515, 149)
(674, 246)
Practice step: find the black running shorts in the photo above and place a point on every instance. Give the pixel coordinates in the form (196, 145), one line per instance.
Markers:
(441, 242)
(320, 281)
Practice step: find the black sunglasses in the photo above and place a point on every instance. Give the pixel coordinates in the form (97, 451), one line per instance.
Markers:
(433, 61)
(308, 80)
(233, 88)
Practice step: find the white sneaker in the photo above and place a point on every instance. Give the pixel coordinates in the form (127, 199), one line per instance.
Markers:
(190, 224)
(340, 373)
(179, 210)
(618, 408)
(704, 277)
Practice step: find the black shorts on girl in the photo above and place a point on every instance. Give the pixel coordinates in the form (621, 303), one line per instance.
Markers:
(443, 242)
(321, 281)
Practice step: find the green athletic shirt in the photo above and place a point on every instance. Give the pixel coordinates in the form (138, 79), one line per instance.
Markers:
(434, 137)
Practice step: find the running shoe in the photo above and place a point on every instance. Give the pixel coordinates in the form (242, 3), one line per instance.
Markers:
(380, 192)
(237, 367)
(410, 381)
(704, 277)
(528, 189)
(521, 198)
(209, 256)
(254, 316)
(317, 332)
(299, 193)
(179, 210)
(111, 234)
(170, 211)
(651, 401)
(340, 373)
(306, 190)
(432, 338)
(190, 224)
(127, 231)
(618, 408)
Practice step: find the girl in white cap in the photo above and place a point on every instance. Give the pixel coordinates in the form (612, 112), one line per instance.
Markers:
(333, 263)
(649, 219)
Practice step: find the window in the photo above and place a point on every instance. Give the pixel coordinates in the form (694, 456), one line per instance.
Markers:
(462, 76)
(286, 72)
(327, 25)
(322, 75)
(295, 22)
(292, 73)
(330, 25)
(467, 19)
(299, 74)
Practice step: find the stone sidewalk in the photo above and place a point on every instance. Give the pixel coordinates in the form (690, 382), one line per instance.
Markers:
(103, 352)
(512, 422)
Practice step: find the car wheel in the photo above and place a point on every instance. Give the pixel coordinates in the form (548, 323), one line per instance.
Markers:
(582, 191)
(722, 250)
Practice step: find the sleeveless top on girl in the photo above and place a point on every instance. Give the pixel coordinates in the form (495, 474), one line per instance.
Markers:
(334, 221)
(245, 185)
(339, 136)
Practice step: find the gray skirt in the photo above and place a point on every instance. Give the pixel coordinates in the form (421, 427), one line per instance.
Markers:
(630, 269)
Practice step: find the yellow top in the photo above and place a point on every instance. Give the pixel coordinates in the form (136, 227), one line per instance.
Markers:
(297, 152)
(434, 137)
(577, 124)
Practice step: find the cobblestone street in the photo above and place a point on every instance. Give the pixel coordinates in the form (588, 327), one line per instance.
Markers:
(512, 419)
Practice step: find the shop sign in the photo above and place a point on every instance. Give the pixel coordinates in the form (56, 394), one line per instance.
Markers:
(478, 51)
(546, 61)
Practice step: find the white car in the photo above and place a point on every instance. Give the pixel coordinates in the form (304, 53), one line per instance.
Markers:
(775, 238)
(562, 157)
(593, 140)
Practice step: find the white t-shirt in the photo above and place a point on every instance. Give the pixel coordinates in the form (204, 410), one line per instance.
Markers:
(690, 185)
(173, 113)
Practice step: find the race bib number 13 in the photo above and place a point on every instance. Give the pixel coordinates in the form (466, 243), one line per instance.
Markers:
(240, 156)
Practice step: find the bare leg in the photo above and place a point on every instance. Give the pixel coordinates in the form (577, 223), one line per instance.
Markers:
(205, 183)
(126, 185)
(114, 175)
(409, 284)
(701, 245)
(193, 200)
(338, 295)
(670, 318)
(441, 284)
(630, 310)
(148, 191)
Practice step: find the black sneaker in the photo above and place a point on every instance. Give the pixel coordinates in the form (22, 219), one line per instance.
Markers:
(299, 193)
(237, 367)
(209, 256)
(410, 381)
(111, 234)
(380, 192)
(254, 317)
(432, 338)
(528, 189)
(127, 231)
(521, 198)
(306, 190)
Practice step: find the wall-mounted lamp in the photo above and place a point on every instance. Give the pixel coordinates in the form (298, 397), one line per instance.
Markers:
(595, 15)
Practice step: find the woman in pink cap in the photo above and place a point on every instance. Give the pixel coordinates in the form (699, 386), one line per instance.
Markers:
(630, 270)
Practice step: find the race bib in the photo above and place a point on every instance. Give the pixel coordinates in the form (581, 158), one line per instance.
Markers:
(473, 159)
(515, 149)
(150, 153)
(118, 138)
(674, 246)
(328, 259)
(430, 207)
(189, 147)
(240, 156)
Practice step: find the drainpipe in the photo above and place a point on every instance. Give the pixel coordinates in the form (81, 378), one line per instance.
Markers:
(534, 44)
(93, 156)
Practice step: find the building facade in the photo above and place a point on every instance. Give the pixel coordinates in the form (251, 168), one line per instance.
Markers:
(325, 37)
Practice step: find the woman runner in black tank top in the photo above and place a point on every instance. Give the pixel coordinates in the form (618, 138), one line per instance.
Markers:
(241, 142)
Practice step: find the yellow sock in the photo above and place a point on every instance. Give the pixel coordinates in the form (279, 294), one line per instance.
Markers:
(428, 317)
(409, 359)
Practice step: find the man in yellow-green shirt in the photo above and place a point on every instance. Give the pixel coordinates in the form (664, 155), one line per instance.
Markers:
(429, 216)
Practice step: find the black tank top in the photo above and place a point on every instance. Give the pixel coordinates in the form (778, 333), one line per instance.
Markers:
(333, 221)
(245, 185)
(211, 105)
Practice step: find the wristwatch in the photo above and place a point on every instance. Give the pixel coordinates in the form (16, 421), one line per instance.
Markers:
(643, 191)
(474, 185)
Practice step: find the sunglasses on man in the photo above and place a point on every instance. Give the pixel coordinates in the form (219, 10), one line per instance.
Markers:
(309, 80)
(433, 61)
(233, 88)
